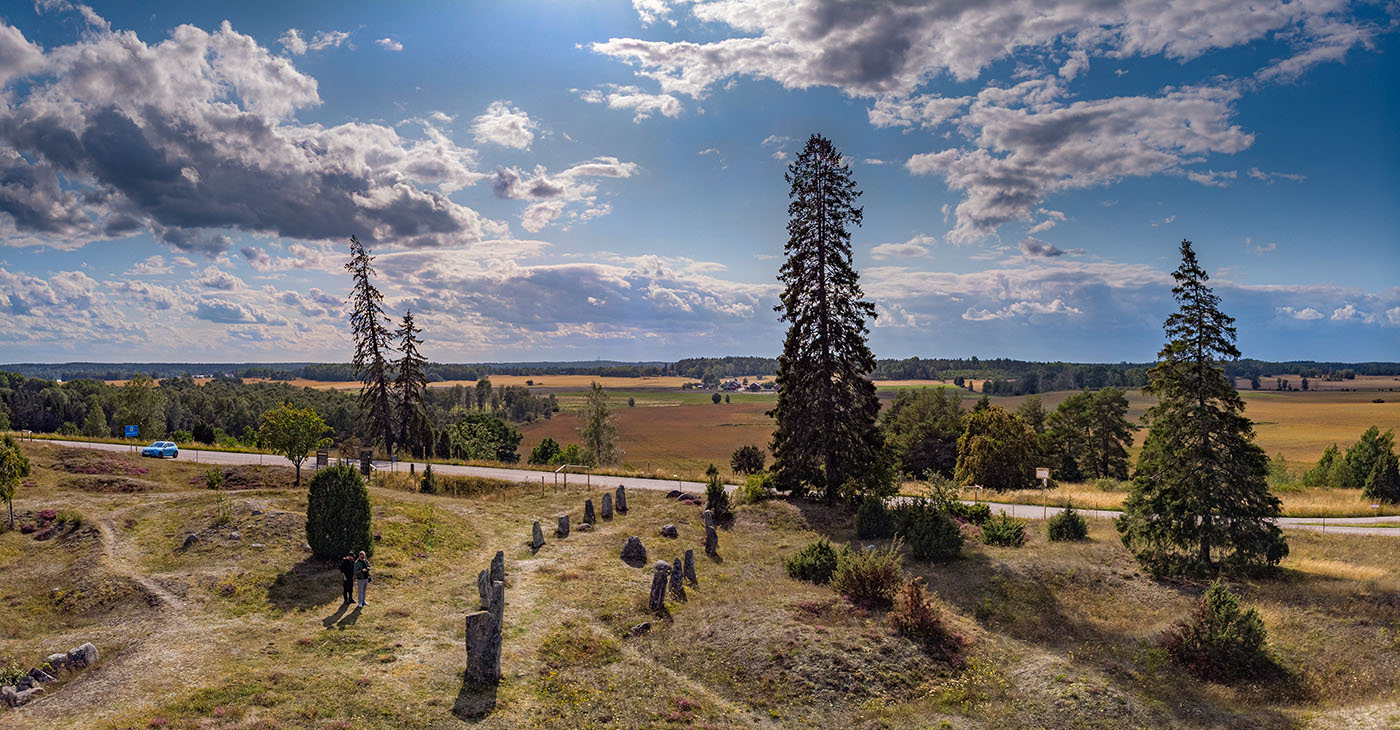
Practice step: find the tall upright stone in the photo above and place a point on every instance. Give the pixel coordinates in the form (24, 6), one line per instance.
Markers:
(689, 568)
(660, 575)
(563, 529)
(588, 516)
(709, 516)
(621, 505)
(497, 608)
(607, 508)
(498, 567)
(483, 648)
(711, 537)
(677, 583)
(483, 587)
(536, 536)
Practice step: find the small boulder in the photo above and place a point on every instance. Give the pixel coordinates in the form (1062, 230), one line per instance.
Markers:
(235, 535)
(633, 553)
(40, 676)
(585, 527)
(82, 656)
(641, 629)
(674, 494)
(669, 531)
(190, 540)
(24, 683)
(589, 517)
(56, 662)
(7, 693)
(536, 536)
(563, 529)
(255, 512)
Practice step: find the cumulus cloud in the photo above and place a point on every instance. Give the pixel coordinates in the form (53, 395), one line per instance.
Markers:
(194, 137)
(218, 279)
(1027, 145)
(892, 47)
(1211, 177)
(504, 125)
(389, 44)
(151, 266)
(1021, 309)
(553, 193)
(653, 11)
(1034, 247)
(914, 247)
(633, 99)
(1306, 313)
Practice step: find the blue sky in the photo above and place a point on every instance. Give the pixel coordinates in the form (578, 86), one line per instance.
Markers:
(577, 180)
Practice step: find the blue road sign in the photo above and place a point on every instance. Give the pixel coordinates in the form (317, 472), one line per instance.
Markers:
(131, 432)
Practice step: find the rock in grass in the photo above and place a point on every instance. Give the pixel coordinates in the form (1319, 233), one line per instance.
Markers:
(633, 553)
(82, 656)
(607, 508)
(688, 566)
(711, 541)
(709, 516)
(498, 567)
(674, 494)
(56, 662)
(483, 588)
(621, 505)
(660, 576)
(585, 527)
(563, 529)
(536, 536)
(588, 516)
(669, 531)
(640, 629)
(677, 584)
(190, 540)
(40, 676)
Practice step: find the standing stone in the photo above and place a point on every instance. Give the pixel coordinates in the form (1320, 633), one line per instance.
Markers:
(633, 553)
(498, 567)
(563, 530)
(483, 648)
(483, 587)
(661, 572)
(536, 536)
(497, 608)
(709, 516)
(711, 540)
(607, 506)
(621, 505)
(677, 584)
(689, 568)
(669, 531)
(588, 516)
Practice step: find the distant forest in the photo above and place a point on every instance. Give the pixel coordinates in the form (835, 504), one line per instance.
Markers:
(1007, 376)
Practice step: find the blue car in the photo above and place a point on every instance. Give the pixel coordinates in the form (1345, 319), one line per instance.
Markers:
(161, 449)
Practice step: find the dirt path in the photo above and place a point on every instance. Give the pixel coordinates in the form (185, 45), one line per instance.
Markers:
(118, 558)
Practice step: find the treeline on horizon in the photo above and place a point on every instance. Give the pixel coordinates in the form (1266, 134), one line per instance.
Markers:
(1008, 376)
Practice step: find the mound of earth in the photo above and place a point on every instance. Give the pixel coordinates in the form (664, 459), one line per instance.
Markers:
(90, 461)
(110, 484)
(251, 476)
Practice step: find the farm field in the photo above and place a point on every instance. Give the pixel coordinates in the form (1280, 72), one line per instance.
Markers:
(250, 633)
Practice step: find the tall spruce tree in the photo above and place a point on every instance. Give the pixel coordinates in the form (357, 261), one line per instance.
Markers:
(372, 347)
(415, 429)
(826, 406)
(1200, 502)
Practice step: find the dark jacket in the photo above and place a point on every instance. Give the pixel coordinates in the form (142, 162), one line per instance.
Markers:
(362, 569)
(347, 567)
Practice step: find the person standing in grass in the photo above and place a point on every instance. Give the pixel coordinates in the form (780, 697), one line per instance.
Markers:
(347, 569)
(362, 576)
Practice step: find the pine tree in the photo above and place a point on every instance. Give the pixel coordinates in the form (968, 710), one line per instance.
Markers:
(371, 364)
(414, 427)
(826, 406)
(1200, 500)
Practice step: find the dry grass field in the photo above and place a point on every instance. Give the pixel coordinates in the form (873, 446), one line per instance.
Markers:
(249, 633)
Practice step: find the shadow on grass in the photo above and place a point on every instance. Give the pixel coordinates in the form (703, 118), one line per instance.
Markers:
(311, 583)
(474, 701)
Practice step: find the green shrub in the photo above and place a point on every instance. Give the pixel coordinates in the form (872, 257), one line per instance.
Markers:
(428, 485)
(918, 618)
(214, 478)
(1067, 525)
(869, 577)
(11, 672)
(70, 517)
(1220, 642)
(1004, 531)
(717, 499)
(974, 513)
(814, 563)
(182, 437)
(873, 519)
(337, 513)
(930, 532)
(1109, 484)
(755, 489)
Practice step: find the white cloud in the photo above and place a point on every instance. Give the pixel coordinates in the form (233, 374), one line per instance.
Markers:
(220, 110)
(632, 98)
(151, 266)
(1306, 313)
(1021, 309)
(1034, 247)
(505, 125)
(389, 44)
(218, 279)
(1270, 177)
(914, 247)
(1211, 177)
(653, 11)
(294, 43)
(552, 193)
(1348, 312)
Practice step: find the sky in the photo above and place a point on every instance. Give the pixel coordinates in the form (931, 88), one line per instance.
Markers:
(575, 180)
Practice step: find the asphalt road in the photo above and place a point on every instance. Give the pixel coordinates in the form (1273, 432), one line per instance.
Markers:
(1344, 525)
